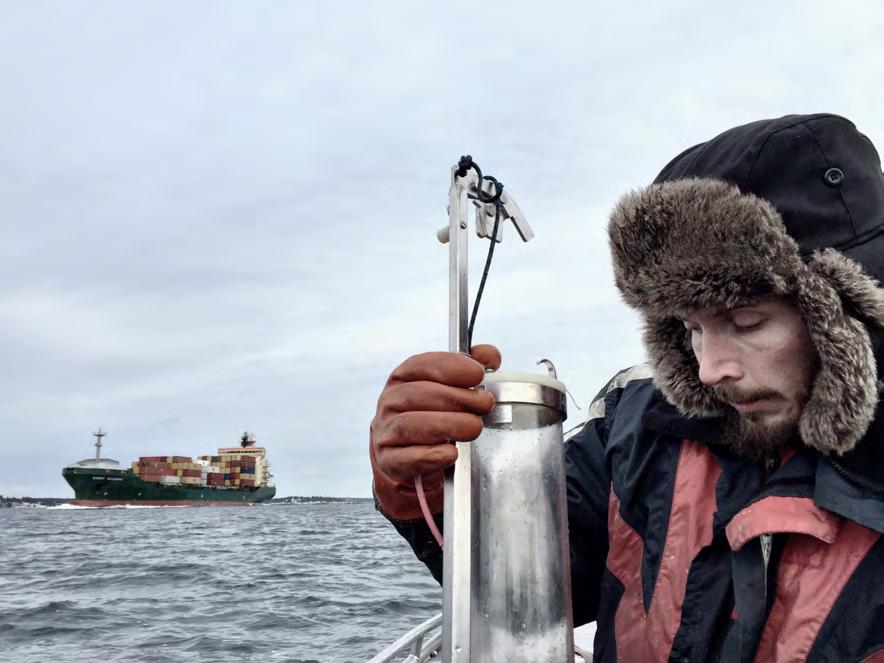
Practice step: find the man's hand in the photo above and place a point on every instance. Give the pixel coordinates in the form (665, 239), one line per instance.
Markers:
(426, 404)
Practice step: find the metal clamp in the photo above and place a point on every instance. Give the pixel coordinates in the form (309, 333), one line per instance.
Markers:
(484, 218)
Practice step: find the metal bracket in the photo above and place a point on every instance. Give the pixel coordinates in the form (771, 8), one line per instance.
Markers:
(484, 217)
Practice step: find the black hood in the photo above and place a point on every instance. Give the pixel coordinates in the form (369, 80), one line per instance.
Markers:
(821, 174)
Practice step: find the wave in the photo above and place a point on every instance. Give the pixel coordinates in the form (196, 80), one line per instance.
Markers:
(222, 585)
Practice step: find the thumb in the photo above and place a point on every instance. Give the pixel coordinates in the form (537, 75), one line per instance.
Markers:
(487, 355)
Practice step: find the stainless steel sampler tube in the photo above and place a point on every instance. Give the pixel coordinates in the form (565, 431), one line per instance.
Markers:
(520, 588)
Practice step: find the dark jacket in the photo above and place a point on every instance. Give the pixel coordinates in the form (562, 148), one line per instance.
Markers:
(680, 549)
(667, 530)
(682, 521)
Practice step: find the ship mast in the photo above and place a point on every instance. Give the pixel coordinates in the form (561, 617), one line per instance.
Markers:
(98, 435)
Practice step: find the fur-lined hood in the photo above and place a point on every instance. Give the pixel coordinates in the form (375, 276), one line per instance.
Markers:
(700, 239)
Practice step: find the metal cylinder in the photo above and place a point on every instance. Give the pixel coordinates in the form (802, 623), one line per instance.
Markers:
(520, 586)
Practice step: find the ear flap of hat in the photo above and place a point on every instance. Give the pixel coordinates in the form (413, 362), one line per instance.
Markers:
(834, 295)
(860, 294)
(676, 371)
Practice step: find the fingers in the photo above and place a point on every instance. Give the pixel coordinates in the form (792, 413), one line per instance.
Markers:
(393, 479)
(448, 368)
(428, 402)
(487, 355)
(405, 462)
(411, 443)
(432, 396)
(425, 428)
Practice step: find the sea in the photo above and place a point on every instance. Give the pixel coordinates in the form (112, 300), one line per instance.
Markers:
(280, 582)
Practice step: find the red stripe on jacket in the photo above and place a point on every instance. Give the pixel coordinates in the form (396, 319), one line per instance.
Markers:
(811, 576)
(798, 515)
(876, 656)
(648, 637)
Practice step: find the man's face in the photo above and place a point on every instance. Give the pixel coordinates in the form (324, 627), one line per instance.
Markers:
(759, 360)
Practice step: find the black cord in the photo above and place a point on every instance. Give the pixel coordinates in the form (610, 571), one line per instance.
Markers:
(463, 165)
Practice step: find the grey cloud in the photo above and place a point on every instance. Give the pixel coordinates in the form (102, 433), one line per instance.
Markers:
(221, 215)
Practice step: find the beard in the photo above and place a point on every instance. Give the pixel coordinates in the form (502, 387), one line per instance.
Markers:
(755, 438)
(752, 435)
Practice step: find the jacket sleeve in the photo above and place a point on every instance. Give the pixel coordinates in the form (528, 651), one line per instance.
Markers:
(588, 489)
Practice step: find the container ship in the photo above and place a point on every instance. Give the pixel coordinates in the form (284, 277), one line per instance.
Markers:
(234, 476)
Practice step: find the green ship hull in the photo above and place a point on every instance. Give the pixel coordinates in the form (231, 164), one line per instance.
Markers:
(111, 487)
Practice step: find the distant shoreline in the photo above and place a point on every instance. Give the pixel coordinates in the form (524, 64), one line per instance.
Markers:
(7, 502)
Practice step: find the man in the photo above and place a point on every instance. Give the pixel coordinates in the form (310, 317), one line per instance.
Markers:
(726, 500)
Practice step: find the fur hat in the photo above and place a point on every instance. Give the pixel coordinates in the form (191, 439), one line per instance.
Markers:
(703, 237)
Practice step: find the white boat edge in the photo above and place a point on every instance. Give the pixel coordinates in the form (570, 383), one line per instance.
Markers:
(424, 640)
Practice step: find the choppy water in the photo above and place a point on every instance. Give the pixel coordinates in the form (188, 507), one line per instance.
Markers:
(294, 583)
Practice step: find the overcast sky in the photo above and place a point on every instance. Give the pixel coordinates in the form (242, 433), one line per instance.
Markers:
(221, 216)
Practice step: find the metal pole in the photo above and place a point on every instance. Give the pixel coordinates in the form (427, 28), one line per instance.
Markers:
(456, 554)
